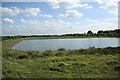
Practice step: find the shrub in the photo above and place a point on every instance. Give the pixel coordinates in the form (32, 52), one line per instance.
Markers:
(82, 51)
(48, 53)
(112, 62)
(55, 69)
(61, 49)
(75, 63)
(117, 68)
(60, 53)
(22, 57)
(62, 64)
(91, 47)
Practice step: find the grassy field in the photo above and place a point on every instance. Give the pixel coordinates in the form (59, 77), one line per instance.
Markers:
(61, 63)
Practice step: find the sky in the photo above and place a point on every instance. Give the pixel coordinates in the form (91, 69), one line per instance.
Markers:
(43, 18)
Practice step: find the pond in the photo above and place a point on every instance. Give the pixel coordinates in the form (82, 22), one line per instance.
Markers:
(75, 43)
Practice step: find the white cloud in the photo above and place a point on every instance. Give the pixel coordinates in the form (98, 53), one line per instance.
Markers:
(8, 20)
(61, 15)
(12, 11)
(12, 30)
(75, 4)
(107, 20)
(110, 6)
(72, 13)
(68, 4)
(102, 26)
(23, 21)
(112, 20)
(90, 20)
(107, 1)
(50, 26)
(54, 26)
(32, 11)
(55, 5)
(46, 15)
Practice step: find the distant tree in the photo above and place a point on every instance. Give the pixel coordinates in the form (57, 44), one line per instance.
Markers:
(89, 32)
(117, 31)
(100, 32)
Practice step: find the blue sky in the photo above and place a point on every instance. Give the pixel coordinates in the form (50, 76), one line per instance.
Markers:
(30, 18)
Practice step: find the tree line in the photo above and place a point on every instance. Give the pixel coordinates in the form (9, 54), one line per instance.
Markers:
(100, 33)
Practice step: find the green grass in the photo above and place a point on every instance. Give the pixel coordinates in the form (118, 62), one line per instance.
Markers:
(61, 63)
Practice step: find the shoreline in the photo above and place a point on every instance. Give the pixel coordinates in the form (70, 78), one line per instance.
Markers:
(91, 62)
(22, 39)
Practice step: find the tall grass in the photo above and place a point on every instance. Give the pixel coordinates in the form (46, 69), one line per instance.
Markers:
(61, 63)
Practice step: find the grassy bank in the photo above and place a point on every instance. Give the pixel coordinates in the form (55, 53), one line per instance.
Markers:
(81, 63)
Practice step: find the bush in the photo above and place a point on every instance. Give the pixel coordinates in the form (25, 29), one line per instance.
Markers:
(62, 64)
(112, 62)
(61, 49)
(48, 53)
(117, 68)
(60, 53)
(55, 69)
(22, 57)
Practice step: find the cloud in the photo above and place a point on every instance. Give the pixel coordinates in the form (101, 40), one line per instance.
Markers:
(8, 20)
(57, 26)
(107, 20)
(113, 20)
(14, 30)
(23, 21)
(102, 26)
(51, 26)
(72, 13)
(51, 23)
(12, 11)
(46, 15)
(110, 6)
(75, 4)
(69, 4)
(90, 20)
(55, 5)
(31, 11)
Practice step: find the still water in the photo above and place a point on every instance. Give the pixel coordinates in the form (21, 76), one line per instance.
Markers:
(54, 44)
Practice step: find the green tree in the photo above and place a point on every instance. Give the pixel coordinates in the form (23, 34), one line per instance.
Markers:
(100, 33)
(89, 32)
